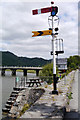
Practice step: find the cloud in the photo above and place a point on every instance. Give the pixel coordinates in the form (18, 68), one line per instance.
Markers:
(18, 24)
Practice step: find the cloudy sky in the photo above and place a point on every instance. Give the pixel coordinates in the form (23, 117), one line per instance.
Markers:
(18, 24)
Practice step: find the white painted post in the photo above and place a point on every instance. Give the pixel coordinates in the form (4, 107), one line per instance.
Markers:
(54, 60)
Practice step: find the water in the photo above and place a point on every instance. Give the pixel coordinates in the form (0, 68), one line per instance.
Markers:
(6, 85)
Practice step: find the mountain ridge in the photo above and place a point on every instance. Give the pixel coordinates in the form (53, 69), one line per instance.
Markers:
(10, 59)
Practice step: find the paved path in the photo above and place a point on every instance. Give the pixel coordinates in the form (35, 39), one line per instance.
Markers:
(43, 108)
(50, 106)
(79, 91)
(74, 101)
(73, 113)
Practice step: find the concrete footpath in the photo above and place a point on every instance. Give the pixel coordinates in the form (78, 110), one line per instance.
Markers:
(52, 106)
(73, 105)
(74, 101)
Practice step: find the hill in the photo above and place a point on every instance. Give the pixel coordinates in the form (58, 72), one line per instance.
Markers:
(10, 59)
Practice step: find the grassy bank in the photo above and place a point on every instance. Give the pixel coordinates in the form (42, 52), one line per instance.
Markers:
(29, 71)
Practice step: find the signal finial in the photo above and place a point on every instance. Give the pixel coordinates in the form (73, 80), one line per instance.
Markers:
(52, 2)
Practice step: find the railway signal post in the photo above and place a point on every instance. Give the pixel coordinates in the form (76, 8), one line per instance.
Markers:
(53, 10)
(53, 13)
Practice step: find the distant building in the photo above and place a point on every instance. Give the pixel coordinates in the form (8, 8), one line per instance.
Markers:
(62, 64)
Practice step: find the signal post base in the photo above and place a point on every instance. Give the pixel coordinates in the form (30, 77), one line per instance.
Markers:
(55, 92)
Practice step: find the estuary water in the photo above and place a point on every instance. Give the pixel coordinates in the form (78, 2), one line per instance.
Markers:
(7, 83)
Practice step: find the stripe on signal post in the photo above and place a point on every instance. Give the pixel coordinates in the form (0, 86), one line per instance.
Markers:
(39, 11)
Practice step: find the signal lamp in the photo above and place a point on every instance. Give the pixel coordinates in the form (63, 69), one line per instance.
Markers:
(54, 11)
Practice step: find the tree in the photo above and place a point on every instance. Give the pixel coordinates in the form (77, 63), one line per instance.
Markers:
(73, 62)
(47, 73)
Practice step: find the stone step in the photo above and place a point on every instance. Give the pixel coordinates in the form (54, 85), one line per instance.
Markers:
(18, 89)
(6, 110)
(12, 98)
(15, 92)
(10, 102)
(13, 95)
(8, 106)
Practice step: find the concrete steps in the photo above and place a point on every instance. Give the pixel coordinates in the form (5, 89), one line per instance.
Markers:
(10, 102)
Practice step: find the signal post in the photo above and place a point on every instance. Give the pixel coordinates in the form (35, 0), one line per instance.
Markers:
(53, 10)
(53, 13)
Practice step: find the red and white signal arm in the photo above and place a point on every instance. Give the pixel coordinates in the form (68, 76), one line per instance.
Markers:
(42, 10)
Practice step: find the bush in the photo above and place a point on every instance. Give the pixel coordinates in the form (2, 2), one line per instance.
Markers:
(73, 62)
(25, 107)
(47, 73)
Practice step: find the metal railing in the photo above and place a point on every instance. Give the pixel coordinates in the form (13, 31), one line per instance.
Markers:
(21, 81)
